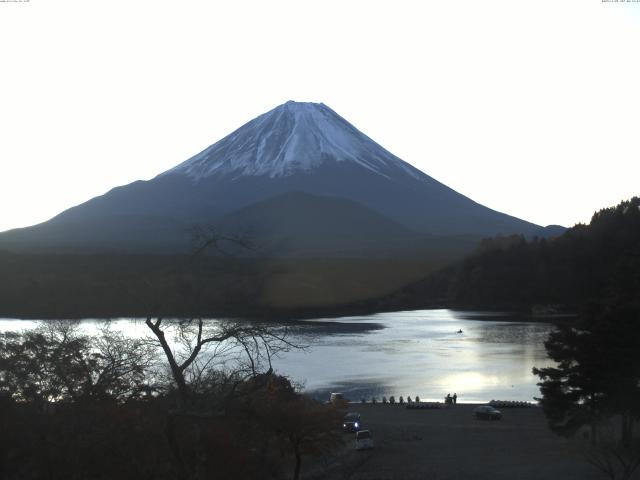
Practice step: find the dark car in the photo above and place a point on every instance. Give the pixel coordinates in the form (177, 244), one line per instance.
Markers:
(351, 422)
(487, 412)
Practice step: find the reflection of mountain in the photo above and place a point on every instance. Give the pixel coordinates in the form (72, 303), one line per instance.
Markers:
(300, 177)
(317, 328)
(522, 334)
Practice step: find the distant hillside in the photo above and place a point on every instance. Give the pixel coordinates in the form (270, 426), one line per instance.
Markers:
(80, 286)
(599, 261)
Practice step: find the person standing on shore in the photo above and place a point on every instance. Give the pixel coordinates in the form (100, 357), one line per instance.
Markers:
(455, 398)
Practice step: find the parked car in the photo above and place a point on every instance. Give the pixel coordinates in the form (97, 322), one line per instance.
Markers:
(336, 398)
(351, 422)
(364, 440)
(487, 412)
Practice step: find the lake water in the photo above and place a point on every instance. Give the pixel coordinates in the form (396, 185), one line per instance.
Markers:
(404, 353)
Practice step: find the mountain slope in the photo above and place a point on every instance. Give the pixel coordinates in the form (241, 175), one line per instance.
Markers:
(296, 147)
(302, 223)
(308, 147)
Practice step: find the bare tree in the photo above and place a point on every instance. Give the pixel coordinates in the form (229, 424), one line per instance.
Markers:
(616, 459)
(58, 363)
(251, 346)
(207, 237)
(210, 360)
(127, 365)
(310, 428)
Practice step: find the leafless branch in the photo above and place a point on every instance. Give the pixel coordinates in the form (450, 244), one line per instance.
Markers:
(207, 237)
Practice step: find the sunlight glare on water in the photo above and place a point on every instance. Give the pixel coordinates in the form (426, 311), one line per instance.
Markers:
(402, 353)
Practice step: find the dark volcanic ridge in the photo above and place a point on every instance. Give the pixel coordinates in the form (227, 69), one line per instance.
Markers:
(299, 179)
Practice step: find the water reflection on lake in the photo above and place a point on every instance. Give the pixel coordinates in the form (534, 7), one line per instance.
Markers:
(404, 353)
(421, 353)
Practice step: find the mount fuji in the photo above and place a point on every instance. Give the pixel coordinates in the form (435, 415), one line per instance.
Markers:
(299, 178)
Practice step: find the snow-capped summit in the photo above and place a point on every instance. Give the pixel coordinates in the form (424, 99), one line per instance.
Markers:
(292, 138)
(300, 177)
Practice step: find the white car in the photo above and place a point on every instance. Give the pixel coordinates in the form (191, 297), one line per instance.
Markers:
(336, 398)
(364, 440)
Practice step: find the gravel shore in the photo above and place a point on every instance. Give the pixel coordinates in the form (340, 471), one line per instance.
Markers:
(449, 443)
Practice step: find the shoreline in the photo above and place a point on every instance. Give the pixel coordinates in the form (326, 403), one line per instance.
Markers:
(449, 443)
(482, 314)
(354, 405)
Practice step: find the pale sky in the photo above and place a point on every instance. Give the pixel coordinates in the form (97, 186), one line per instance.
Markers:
(528, 107)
